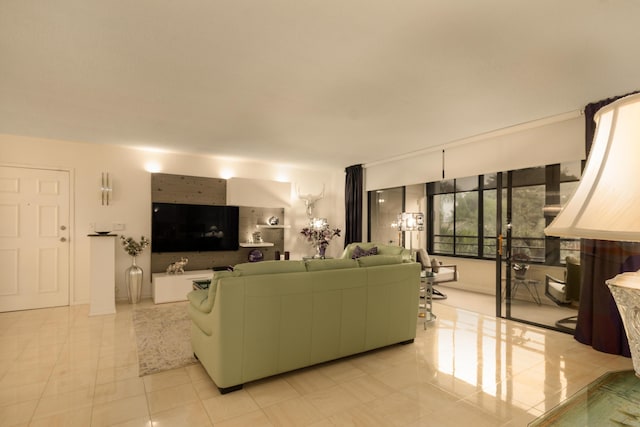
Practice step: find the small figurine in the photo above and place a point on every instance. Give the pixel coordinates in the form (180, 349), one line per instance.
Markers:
(178, 266)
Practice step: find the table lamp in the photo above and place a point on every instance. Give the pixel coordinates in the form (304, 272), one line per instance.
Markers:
(606, 204)
(319, 223)
(410, 221)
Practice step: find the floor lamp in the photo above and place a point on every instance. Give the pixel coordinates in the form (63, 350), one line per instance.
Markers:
(606, 204)
(410, 221)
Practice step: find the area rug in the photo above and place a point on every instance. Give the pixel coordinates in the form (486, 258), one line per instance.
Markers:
(611, 400)
(163, 336)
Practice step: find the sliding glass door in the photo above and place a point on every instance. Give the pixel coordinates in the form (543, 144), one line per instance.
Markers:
(531, 198)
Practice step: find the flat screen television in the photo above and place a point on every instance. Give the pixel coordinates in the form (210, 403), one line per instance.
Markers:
(193, 228)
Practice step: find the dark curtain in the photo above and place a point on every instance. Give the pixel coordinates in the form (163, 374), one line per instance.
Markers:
(353, 204)
(589, 113)
(599, 322)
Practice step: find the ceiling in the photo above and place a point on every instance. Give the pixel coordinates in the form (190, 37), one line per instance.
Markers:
(327, 83)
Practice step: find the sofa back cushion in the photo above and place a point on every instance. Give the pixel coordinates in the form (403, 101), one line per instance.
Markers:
(270, 267)
(374, 260)
(330, 264)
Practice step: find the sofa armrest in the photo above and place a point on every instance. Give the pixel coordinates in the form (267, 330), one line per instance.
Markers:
(549, 278)
(444, 277)
(201, 299)
(555, 289)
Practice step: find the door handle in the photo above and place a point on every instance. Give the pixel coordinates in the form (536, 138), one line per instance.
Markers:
(63, 239)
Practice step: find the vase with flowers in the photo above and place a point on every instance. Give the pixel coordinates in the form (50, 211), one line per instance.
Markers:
(133, 274)
(319, 234)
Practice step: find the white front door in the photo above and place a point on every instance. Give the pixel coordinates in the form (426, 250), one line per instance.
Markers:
(34, 238)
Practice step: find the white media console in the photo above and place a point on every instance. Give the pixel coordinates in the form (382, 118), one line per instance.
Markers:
(175, 287)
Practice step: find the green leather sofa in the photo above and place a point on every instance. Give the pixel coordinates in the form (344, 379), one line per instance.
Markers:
(271, 317)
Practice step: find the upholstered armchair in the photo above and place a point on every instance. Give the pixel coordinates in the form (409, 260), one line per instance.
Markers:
(439, 272)
(565, 292)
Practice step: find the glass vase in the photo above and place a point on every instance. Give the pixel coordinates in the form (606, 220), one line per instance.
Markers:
(320, 251)
(133, 280)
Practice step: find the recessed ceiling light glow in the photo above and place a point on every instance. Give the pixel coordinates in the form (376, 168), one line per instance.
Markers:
(152, 166)
(153, 149)
(226, 173)
(281, 177)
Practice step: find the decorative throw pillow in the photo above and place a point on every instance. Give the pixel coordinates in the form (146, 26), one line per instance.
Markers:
(358, 252)
(435, 266)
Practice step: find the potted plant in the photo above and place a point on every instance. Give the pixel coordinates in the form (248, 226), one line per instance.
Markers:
(319, 234)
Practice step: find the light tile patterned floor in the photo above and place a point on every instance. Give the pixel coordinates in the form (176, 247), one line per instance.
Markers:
(60, 367)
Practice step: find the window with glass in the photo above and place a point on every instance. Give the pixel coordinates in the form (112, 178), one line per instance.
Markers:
(442, 217)
(570, 174)
(384, 207)
(462, 220)
(489, 214)
(527, 214)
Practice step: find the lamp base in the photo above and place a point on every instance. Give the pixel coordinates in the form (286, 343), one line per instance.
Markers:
(625, 289)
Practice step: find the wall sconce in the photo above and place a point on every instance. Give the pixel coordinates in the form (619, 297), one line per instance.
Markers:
(105, 189)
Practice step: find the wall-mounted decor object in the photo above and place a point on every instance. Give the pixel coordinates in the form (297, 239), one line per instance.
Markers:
(106, 189)
(310, 200)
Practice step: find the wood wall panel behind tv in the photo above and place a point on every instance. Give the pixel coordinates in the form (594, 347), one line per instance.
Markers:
(194, 190)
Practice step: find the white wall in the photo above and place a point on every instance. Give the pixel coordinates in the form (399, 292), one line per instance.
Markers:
(131, 202)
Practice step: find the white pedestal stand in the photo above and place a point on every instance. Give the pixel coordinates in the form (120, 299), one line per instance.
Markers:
(102, 274)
